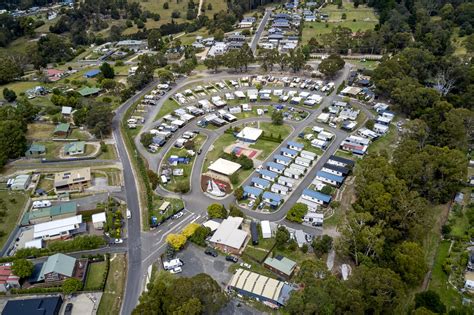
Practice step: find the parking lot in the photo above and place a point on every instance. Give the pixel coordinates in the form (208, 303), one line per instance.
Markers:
(196, 261)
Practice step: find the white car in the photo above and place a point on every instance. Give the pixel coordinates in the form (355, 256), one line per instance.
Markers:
(129, 214)
(178, 215)
(118, 241)
(251, 203)
(176, 270)
(245, 265)
(259, 168)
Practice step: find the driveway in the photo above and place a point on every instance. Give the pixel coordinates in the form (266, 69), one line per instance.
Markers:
(196, 261)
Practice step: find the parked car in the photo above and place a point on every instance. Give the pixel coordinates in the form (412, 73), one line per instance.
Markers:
(251, 203)
(118, 241)
(68, 309)
(176, 270)
(231, 258)
(211, 252)
(245, 265)
(178, 215)
(129, 214)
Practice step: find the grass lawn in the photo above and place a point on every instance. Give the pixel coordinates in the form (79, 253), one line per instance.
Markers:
(363, 18)
(268, 147)
(386, 143)
(216, 7)
(189, 38)
(113, 293)
(15, 202)
(165, 15)
(255, 253)
(40, 131)
(344, 154)
(175, 205)
(187, 168)
(168, 106)
(110, 154)
(439, 279)
(296, 255)
(95, 275)
(217, 149)
(79, 134)
(52, 149)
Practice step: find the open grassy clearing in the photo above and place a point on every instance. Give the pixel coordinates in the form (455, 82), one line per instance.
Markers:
(113, 293)
(95, 275)
(217, 149)
(156, 6)
(189, 38)
(168, 106)
(40, 131)
(15, 202)
(216, 7)
(110, 154)
(385, 143)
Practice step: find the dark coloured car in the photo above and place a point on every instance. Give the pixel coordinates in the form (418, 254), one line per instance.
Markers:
(211, 252)
(68, 309)
(231, 258)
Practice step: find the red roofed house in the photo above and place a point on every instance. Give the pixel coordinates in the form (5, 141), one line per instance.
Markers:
(54, 74)
(7, 279)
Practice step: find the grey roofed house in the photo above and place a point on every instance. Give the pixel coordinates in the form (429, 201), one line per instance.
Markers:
(60, 264)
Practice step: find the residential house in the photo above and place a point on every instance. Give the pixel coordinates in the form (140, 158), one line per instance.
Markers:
(35, 150)
(283, 160)
(340, 161)
(89, 91)
(62, 129)
(280, 265)
(228, 237)
(62, 228)
(303, 162)
(295, 146)
(268, 175)
(315, 196)
(293, 173)
(98, 220)
(252, 192)
(20, 182)
(46, 305)
(329, 178)
(287, 181)
(260, 183)
(314, 218)
(289, 153)
(308, 155)
(66, 111)
(279, 189)
(132, 44)
(7, 279)
(46, 214)
(336, 170)
(272, 199)
(60, 267)
(275, 167)
(71, 181)
(74, 148)
(92, 73)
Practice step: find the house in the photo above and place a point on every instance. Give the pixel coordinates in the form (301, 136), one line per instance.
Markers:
(236, 37)
(47, 305)
(58, 268)
(292, 173)
(62, 129)
(280, 265)
(275, 167)
(46, 214)
(272, 199)
(264, 289)
(381, 129)
(254, 232)
(268, 175)
(21, 182)
(88, 91)
(287, 181)
(315, 196)
(367, 133)
(62, 228)
(35, 150)
(72, 181)
(98, 220)
(308, 155)
(316, 219)
(340, 161)
(131, 44)
(283, 160)
(289, 153)
(218, 48)
(228, 237)
(266, 229)
(252, 192)
(295, 146)
(320, 144)
(303, 162)
(54, 74)
(384, 120)
(323, 117)
(92, 73)
(349, 114)
(298, 167)
(329, 178)
(74, 148)
(279, 189)
(260, 183)
(469, 281)
(336, 170)
(66, 111)
(348, 125)
(249, 134)
(7, 279)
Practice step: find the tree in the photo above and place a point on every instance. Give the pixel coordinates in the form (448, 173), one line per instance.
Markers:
(154, 39)
(166, 6)
(327, 190)
(190, 229)
(10, 68)
(209, 6)
(146, 139)
(322, 245)
(199, 236)
(297, 212)
(410, 263)
(107, 71)
(234, 211)
(176, 241)
(22, 268)
(282, 237)
(331, 65)
(71, 285)
(9, 95)
(431, 301)
(216, 211)
(239, 193)
(277, 117)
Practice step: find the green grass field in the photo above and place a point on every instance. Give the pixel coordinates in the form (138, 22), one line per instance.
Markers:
(267, 147)
(95, 275)
(111, 300)
(110, 154)
(168, 106)
(363, 18)
(386, 142)
(15, 202)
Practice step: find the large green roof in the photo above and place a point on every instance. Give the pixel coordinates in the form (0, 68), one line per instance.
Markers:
(86, 91)
(63, 127)
(74, 146)
(281, 264)
(64, 208)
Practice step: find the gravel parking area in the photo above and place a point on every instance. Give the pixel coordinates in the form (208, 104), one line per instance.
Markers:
(196, 261)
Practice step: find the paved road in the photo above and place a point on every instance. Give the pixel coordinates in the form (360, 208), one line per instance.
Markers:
(260, 29)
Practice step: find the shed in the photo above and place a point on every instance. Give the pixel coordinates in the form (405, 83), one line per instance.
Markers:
(266, 229)
(88, 91)
(92, 73)
(254, 232)
(98, 220)
(62, 129)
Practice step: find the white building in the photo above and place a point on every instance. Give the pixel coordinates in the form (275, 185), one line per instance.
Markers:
(57, 228)
(98, 220)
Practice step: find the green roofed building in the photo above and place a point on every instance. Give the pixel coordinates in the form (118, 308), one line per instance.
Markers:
(35, 149)
(56, 212)
(62, 129)
(88, 91)
(75, 148)
(58, 267)
(280, 265)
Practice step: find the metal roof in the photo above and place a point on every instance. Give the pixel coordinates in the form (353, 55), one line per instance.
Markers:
(252, 190)
(282, 264)
(317, 195)
(260, 181)
(268, 173)
(295, 144)
(330, 176)
(276, 165)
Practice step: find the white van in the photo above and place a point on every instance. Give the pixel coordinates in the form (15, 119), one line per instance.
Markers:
(164, 180)
(173, 263)
(129, 214)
